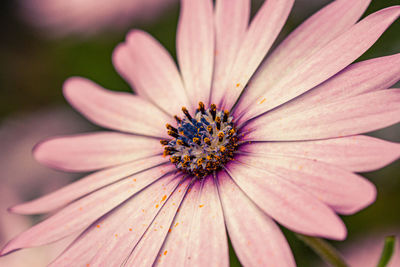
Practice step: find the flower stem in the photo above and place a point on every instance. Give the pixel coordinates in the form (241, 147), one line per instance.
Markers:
(324, 250)
(387, 251)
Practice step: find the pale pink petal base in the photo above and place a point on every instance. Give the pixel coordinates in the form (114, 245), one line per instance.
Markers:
(176, 244)
(257, 240)
(148, 248)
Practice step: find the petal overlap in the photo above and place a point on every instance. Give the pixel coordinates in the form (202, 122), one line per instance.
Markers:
(318, 67)
(286, 202)
(115, 110)
(150, 71)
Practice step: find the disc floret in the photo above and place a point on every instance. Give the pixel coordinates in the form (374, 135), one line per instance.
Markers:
(203, 143)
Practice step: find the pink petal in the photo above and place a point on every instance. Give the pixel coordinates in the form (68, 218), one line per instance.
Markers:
(115, 110)
(311, 35)
(231, 21)
(207, 234)
(88, 152)
(123, 226)
(257, 240)
(147, 250)
(176, 243)
(85, 211)
(287, 203)
(86, 185)
(359, 78)
(262, 32)
(355, 153)
(195, 48)
(342, 190)
(151, 71)
(351, 116)
(198, 235)
(321, 65)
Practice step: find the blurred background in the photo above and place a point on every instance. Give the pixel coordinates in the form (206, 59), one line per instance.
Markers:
(46, 41)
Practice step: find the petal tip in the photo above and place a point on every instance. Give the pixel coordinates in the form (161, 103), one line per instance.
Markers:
(39, 153)
(7, 249)
(340, 232)
(18, 209)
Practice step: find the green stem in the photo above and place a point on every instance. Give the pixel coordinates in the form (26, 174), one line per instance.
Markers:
(324, 250)
(387, 251)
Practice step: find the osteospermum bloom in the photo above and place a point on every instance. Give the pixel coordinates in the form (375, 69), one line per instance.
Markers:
(239, 149)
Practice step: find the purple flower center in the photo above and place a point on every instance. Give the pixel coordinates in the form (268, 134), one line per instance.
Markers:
(203, 143)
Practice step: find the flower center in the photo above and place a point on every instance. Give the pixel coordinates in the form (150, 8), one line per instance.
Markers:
(203, 143)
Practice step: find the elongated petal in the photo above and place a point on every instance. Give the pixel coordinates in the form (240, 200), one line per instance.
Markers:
(151, 71)
(359, 78)
(119, 111)
(87, 152)
(355, 153)
(86, 185)
(207, 235)
(342, 190)
(85, 211)
(195, 48)
(314, 33)
(324, 63)
(231, 21)
(257, 240)
(176, 244)
(259, 38)
(351, 116)
(197, 230)
(286, 203)
(147, 250)
(123, 226)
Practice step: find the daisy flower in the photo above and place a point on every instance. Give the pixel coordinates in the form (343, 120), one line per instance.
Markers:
(245, 142)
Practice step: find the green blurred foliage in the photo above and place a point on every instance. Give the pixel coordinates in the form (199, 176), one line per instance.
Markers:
(33, 68)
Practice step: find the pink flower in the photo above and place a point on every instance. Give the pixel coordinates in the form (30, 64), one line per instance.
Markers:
(285, 150)
(60, 17)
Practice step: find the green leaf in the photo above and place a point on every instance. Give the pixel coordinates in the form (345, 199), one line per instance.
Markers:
(387, 251)
(323, 249)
